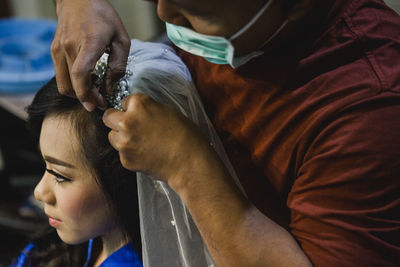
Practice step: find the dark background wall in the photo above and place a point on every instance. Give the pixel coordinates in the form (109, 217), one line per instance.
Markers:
(5, 10)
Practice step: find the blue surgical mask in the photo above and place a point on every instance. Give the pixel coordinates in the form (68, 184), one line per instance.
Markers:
(216, 49)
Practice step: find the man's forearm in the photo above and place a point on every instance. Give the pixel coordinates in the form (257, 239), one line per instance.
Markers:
(235, 231)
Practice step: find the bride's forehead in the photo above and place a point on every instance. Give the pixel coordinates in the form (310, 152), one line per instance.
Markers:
(58, 136)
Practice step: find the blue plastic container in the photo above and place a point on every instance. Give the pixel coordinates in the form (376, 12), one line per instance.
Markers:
(25, 59)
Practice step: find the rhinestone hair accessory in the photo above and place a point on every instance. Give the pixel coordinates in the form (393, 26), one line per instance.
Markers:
(120, 89)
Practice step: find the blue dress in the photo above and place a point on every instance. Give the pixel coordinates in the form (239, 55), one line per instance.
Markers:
(126, 256)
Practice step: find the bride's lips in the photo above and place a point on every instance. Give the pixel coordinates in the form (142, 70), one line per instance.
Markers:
(53, 222)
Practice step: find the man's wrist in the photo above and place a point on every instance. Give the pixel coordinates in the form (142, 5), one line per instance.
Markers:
(191, 167)
(201, 171)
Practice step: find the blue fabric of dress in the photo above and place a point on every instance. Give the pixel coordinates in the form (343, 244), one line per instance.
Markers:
(23, 256)
(126, 256)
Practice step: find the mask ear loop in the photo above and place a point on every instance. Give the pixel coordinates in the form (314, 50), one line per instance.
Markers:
(276, 32)
(252, 21)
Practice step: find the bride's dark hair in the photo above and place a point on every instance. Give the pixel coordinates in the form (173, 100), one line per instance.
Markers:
(117, 183)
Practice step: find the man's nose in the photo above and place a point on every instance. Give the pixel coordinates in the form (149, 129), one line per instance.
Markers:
(44, 190)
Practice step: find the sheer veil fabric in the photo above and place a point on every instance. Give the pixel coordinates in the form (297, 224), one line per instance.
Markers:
(169, 235)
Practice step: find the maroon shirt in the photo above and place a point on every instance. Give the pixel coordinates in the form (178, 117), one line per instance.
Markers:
(313, 131)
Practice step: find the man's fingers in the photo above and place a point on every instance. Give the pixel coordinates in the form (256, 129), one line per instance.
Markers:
(112, 118)
(112, 137)
(81, 78)
(63, 81)
(136, 102)
(124, 103)
(61, 69)
(117, 142)
(117, 62)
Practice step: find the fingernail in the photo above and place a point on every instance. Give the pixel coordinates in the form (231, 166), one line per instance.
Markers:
(88, 106)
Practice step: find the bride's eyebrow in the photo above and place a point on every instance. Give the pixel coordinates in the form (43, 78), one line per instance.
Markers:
(55, 161)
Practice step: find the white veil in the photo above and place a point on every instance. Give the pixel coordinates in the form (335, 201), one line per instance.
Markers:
(169, 235)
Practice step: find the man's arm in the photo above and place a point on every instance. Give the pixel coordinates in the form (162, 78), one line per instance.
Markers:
(235, 231)
(154, 138)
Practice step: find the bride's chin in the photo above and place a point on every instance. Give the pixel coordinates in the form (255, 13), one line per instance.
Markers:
(70, 240)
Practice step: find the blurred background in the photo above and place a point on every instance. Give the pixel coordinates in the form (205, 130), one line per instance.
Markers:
(21, 167)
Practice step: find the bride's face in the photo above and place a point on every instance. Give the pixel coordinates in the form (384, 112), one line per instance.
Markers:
(73, 201)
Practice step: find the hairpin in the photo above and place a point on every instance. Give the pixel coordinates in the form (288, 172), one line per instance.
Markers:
(120, 88)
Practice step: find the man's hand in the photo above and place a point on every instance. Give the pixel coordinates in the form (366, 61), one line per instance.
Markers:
(86, 29)
(154, 138)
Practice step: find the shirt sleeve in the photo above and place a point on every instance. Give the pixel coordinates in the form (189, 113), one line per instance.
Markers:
(345, 201)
